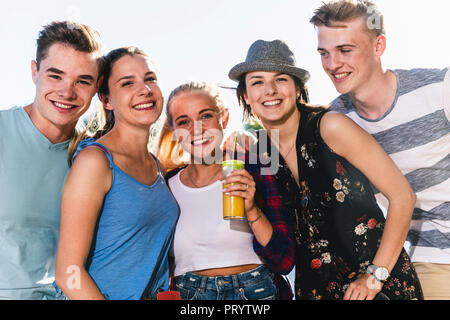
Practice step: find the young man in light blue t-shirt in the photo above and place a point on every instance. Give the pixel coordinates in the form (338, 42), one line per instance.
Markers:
(408, 113)
(33, 157)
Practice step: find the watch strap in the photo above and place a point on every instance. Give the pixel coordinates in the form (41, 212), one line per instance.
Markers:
(372, 270)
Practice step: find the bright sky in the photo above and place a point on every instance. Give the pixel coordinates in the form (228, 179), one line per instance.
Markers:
(203, 39)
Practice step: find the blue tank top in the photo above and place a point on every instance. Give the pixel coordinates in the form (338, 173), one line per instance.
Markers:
(133, 235)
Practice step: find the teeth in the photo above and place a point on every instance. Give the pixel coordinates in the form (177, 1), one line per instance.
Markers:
(62, 106)
(199, 142)
(341, 75)
(144, 106)
(272, 103)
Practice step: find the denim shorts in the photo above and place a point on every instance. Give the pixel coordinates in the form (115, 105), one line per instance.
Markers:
(256, 284)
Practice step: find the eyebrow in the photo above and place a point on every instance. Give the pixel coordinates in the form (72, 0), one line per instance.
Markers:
(202, 111)
(86, 77)
(338, 47)
(206, 110)
(132, 77)
(83, 76)
(276, 75)
(54, 70)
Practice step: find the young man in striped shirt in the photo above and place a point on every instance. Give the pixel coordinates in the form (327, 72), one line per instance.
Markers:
(407, 112)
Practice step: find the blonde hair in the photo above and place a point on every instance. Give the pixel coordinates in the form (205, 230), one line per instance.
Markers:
(170, 153)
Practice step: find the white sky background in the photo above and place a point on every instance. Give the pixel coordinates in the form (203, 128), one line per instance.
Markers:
(204, 39)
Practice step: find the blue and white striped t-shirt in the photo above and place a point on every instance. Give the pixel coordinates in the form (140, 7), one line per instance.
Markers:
(415, 132)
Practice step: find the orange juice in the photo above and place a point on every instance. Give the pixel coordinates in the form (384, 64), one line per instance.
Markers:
(233, 207)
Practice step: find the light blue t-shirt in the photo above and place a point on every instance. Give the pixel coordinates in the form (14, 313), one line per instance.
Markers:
(133, 235)
(32, 171)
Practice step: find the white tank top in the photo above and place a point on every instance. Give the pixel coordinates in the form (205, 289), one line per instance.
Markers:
(203, 239)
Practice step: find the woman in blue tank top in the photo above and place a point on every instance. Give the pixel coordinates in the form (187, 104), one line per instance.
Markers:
(118, 216)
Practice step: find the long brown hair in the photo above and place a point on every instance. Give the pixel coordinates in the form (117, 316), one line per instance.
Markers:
(103, 121)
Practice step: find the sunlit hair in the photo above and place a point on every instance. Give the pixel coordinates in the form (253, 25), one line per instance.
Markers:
(241, 90)
(75, 35)
(170, 153)
(333, 12)
(203, 87)
(103, 121)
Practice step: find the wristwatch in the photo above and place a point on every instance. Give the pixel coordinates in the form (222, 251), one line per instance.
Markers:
(380, 273)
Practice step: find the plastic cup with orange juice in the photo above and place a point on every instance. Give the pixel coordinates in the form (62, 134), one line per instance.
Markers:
(233, 206)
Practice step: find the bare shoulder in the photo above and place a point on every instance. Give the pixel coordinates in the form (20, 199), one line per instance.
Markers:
(334, 123)
(94, 155)
(342, 134)
(91, 161)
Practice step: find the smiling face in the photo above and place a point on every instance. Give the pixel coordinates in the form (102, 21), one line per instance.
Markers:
(65, 82)
(197, 122)
(134, 94)
(350, 54)
(271, 95)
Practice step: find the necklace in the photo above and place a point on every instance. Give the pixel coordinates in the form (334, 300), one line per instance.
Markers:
(285, 156)
(209, 181)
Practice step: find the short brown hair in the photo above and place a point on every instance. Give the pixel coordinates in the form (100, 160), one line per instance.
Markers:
(75, 35)
(346, 10)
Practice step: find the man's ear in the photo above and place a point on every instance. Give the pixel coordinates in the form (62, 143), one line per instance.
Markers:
(380, 45)
(34, 70)
(225, 118)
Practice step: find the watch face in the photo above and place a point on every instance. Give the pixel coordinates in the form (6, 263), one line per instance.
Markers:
(381, 273)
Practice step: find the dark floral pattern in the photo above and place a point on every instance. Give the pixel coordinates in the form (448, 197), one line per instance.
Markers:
(339, 224)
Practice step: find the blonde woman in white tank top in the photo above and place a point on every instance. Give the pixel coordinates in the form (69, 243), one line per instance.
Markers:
(214, 258)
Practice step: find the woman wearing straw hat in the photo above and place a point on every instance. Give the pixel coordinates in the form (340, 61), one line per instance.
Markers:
(214, 259)
(345, 247)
